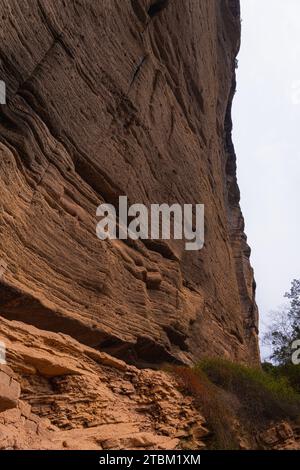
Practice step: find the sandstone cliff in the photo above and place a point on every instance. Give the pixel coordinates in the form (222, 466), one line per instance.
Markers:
(110, 98)
(104, 99)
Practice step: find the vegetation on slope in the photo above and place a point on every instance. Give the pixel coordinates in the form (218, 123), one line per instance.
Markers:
(237, 400)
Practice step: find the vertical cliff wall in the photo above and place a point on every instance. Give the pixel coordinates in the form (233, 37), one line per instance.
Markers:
(108, 98)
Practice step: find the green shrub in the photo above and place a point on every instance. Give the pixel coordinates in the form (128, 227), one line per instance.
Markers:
(264, 397)
(290, 371)
(228, 393)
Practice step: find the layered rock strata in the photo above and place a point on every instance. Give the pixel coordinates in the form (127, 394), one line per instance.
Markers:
(113, 98)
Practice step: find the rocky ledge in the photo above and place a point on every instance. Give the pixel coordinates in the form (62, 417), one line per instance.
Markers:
(60, 394)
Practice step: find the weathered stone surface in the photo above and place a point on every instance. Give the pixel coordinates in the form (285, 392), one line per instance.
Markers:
(281, 436)
(101, 403)
(114, 98)
(95, 401)
(9, 389)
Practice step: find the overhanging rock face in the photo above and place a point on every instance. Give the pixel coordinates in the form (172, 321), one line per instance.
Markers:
(113, 98)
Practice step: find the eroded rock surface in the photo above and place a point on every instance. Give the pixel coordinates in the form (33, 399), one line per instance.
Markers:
(59, 394)
(9, 389)
(113, 98)
(74, 397)
(281, 436)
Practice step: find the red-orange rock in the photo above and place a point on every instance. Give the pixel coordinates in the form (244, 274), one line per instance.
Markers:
(9, 389)
(99, 402)
(123, 98)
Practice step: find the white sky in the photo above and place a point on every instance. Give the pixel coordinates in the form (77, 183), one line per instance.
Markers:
(266, 117)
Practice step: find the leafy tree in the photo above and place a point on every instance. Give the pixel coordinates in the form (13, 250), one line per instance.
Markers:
(285, 328)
